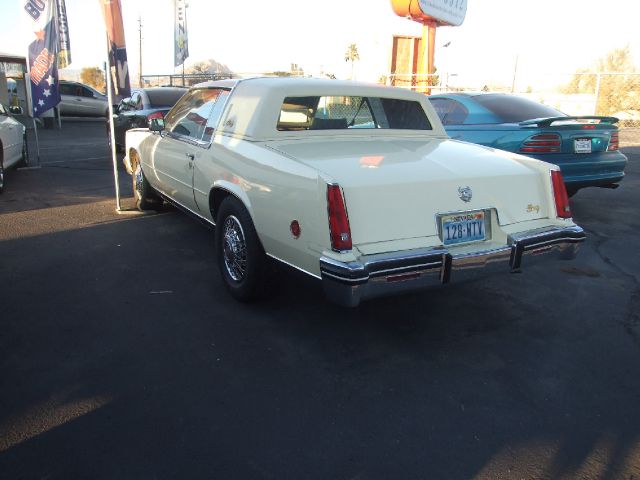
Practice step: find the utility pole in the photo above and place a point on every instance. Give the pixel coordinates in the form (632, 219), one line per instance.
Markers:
(140, 45)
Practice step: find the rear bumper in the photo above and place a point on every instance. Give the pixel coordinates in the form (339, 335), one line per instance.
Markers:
(591, 170)
(348, 283)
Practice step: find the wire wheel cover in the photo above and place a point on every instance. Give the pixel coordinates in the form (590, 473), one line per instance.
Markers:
(234, 248)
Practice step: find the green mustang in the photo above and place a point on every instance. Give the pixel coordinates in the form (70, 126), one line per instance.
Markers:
(585, 148)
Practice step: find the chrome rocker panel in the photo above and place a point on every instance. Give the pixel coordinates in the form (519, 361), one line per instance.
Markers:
(348, 283)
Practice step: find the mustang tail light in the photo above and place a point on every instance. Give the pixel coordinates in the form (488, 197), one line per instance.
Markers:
(153, 115)
(543, 143)
(614, 143)
(563, 210)
(338, 219)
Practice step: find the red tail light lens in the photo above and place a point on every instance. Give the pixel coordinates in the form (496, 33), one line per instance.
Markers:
(614, 143)
(563, 210)
(153, 115)
(544, 143)
(338, 220)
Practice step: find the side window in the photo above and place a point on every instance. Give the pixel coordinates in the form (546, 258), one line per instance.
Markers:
(85, 92)
(214, 116)
(66, 89)
(450, 111)
(191, 115)
(135, 102)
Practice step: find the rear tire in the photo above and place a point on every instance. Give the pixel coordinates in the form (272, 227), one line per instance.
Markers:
(241, 258)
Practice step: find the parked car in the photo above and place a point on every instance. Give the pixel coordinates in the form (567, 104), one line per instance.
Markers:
(145, 103)
(13, 141)
(585, 148)
(356, 185)
(79, 100)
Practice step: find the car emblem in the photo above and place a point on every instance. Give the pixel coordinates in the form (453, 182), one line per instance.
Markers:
(465, 194)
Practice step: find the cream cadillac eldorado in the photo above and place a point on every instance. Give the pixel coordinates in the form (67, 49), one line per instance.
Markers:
(356, 185)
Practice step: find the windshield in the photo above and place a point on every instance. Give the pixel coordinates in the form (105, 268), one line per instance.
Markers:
(340, 112)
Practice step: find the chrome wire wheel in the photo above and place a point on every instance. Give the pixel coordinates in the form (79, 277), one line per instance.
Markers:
(138, 183)
(234, 248)
(1, 176)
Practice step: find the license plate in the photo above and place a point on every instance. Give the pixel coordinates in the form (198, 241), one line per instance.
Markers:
(582, 145)
(463, 228)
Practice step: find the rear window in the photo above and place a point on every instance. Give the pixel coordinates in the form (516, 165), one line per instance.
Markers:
(165, 98)
(349, 112)
(513, 109)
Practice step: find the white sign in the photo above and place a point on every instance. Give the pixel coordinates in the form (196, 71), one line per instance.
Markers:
(451, 12)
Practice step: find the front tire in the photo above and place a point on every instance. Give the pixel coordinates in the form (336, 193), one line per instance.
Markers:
(241, 258)
(144, 196)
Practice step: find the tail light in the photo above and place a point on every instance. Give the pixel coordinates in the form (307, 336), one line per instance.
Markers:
(153, 115)
(543, 143)
(338, 220)
(563, 210)
(614, 143)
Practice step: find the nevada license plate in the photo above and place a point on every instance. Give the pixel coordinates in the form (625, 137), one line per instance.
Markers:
(463, 228)
(582, 145)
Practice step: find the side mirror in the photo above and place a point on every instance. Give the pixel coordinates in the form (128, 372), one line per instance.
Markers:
(156, 124)
(16, 110)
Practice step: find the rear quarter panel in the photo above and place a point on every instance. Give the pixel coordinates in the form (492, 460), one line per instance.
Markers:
(276, 190)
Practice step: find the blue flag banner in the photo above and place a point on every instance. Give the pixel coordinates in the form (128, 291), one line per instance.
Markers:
(64, 55)
(43, 55)
(180, 37)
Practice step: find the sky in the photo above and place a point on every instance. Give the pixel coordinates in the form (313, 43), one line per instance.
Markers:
(546, 36)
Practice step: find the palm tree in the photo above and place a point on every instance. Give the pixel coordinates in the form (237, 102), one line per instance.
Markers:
(352, 55)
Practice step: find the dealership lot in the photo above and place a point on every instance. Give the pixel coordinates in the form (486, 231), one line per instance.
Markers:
(122, 356)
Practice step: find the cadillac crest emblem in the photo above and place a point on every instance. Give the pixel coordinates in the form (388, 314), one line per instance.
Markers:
(465, 193)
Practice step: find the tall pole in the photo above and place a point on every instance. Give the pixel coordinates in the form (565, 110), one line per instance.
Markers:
(515, 74)
(29, 98)
(111, 128)
(140, 45)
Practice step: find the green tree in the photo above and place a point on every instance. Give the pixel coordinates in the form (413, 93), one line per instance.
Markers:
(352, 55)
(94, 77)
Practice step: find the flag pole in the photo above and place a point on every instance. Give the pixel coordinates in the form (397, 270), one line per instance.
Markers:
(111, 128)
(27, 89)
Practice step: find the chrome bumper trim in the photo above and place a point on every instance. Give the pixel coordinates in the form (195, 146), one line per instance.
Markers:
(348, 283)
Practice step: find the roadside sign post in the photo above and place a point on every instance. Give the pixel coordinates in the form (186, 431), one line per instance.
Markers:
(112, 132)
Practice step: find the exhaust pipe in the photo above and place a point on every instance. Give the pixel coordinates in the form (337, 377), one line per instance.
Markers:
(612, 186)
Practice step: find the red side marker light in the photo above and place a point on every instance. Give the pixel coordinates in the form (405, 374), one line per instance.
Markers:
(295, 229)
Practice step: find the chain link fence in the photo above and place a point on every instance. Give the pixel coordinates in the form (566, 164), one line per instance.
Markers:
(583, 93)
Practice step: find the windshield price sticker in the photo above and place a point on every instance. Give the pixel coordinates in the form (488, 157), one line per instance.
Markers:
(463, 228)
(582, 145)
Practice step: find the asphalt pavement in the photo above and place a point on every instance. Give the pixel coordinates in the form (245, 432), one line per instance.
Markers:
(123, 357)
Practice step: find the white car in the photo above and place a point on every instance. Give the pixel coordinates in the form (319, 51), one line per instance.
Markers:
(356, 185)
(79, 100)
(13, 141)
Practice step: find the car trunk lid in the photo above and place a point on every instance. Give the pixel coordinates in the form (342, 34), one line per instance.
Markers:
(396, 188)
